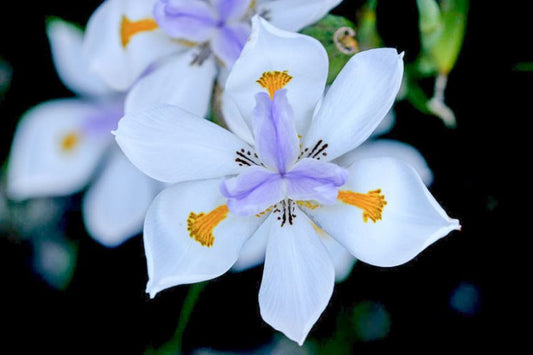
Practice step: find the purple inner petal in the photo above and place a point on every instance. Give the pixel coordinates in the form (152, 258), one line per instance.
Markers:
(104, 120)
(253, 191)
(191, 20)
(228, 43)
(275, 133)
(311, 179)
(231, 10)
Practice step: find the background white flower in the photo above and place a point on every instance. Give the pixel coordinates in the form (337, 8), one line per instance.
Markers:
(62, 145)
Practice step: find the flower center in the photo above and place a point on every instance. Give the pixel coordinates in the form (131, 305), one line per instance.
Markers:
(129, 28)
(274, 81)
(201, 225)
(371, 203)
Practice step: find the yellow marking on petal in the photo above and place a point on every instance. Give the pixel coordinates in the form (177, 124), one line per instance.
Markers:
(308, 204)
(70, 141)
(371, 203)
(129, 28)
(344, 39)
(274, 81)
(201, 225)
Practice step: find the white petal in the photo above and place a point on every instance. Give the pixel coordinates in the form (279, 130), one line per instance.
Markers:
(176, 82)
(357, 101)
(411, 220)
(72, 67)
(298, 277)
(39, 165)
(174, 257)
(293, 15)
(343, 261)
(253, 251)
(386, 148)
(115, 205)
(271, 49)
(117, 64)
(173, 145)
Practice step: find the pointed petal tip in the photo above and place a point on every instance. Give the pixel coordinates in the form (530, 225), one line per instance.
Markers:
(401, 55)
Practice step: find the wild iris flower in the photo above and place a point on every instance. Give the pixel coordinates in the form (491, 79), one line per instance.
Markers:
(182, 44)
(60, 144)
(278, 177)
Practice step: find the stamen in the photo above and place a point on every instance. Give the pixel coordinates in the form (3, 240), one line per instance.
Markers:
(274, 81)
(286, 213)
(371, 203)
(129, 28)
(265, 211)
(70, 141)
(201, 225)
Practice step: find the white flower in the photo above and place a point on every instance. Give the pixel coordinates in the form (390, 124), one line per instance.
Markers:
(285, 185)
(60, 145)
(178, 43)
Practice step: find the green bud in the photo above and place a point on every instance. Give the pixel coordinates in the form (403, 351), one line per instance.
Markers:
(442, 29)
(337, 35)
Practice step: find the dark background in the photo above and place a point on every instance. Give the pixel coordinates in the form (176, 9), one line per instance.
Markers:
(478, 167)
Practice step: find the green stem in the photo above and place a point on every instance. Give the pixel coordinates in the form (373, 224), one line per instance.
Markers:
(173, 346)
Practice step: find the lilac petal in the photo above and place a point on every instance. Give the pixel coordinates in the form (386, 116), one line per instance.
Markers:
(191, 20)
(231, 10)
(105, 119)
(276, 140)
(311, 179)
(228, 42)
(253, 191)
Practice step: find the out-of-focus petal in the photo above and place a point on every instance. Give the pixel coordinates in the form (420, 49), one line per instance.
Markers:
(115, 205)
(122, 40)
(52, 154)
(293, 15)
(387, 148)
(72, 67)
(190, 20)
(176, 82)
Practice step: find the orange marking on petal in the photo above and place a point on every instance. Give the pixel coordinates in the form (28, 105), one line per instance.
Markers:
(274, 81)
(201, 225)
(129, 28)
(69, 141)
(371, 203)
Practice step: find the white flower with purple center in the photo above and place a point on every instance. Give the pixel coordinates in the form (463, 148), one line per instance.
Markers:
(277, 177)
(63, 144)
(172, 51)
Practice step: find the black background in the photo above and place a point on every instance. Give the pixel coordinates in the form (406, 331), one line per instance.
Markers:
(478, 167)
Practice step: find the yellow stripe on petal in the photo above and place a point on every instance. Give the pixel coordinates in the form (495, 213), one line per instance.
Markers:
(274, 81)
(201, 225)
(372, 203)
(129, 28)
